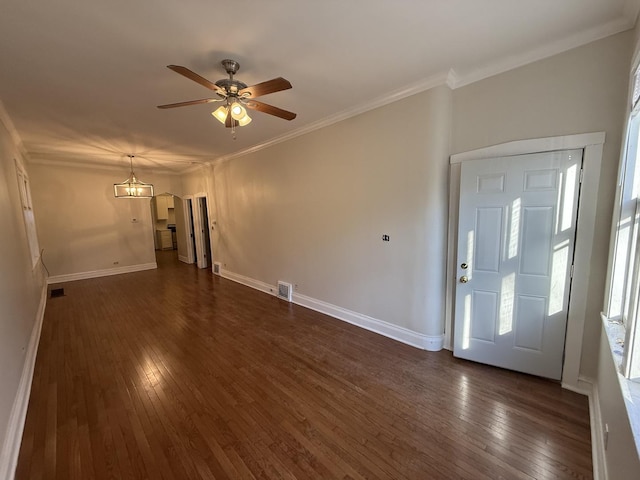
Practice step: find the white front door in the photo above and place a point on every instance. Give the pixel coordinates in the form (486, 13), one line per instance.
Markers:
(516, 235)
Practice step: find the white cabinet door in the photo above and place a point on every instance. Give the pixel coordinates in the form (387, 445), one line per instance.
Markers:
(165, 242)
(162, 211)
(516, 236)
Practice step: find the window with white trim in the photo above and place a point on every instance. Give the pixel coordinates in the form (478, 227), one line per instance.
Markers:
(623, 294)
(27, 211)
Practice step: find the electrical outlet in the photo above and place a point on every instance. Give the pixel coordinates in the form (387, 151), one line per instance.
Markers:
(385, 238)
(295, 287)
(116, 263)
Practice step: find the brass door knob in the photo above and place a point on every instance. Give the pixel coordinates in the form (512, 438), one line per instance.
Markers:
(464, 279)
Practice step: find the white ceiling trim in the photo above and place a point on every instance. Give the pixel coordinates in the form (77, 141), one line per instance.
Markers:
(454, 80)
(404, 92)
(124, 169)
(72, 158)
(602, 31)
(5, 120)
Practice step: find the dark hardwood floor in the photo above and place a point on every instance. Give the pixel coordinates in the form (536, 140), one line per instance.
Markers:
(177, 374)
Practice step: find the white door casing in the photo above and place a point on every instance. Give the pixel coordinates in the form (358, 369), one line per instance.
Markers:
(187, 206)
(517, 223)
(199, 224)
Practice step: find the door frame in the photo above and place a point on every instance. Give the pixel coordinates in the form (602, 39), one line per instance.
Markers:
(198, 233)
(592, 144)
(187, 208)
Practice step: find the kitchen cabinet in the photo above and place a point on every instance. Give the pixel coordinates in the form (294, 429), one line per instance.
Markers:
(162, 208)
(164, 239)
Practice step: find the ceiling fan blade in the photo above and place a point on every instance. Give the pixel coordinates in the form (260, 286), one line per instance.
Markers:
(270, 109)
(184, 71)
(192, 102)
(264, 88)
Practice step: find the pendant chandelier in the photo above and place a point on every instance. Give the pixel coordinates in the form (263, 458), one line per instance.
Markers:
(132, 187)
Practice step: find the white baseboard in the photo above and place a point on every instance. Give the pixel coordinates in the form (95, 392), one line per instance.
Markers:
(587, 386)
(183, 259)
(249, 282)
(70, 277)
(401, 334)
(597, 437)
(583, 387)
(13, 437)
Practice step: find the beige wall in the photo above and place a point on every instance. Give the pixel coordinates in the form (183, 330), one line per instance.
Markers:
(21, 286)
(85, 228)
(579, 91)
(312, 211)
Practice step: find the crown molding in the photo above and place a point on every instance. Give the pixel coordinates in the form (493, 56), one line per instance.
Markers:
(5, 119)
(453, 79)
(404, 92)
(76, 160)
(54, 161)
(599, 32)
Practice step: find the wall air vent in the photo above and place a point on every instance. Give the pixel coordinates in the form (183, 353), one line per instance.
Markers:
(57, 292)
(216, 268)
(284, 291)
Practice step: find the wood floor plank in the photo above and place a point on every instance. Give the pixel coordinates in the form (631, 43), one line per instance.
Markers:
(175, 373)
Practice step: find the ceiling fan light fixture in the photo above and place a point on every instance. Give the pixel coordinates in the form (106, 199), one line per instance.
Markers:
(221, 114)
(132, 187)
(236, 95)
(237, 111)
(246, 120)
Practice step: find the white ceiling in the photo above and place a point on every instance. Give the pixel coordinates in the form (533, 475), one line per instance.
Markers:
(80, 80)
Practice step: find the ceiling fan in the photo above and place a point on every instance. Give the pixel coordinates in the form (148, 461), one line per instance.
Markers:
(236, 95)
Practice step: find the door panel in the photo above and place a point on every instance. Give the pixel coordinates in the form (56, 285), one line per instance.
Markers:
(488, 233)
(537, 223)
(516, 240)
(485, 303)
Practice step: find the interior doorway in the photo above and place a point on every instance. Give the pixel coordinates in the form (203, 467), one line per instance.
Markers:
(198, 230)
(168, 222)
(205, 257)
(192, 251)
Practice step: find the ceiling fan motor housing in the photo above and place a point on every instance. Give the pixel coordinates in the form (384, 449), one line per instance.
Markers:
(231, 86)
(231, 66)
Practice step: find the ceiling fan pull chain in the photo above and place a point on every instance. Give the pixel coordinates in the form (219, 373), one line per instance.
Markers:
(233, 122)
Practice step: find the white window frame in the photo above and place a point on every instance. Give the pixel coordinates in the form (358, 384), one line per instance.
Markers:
(622, 299)
(24, 189)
